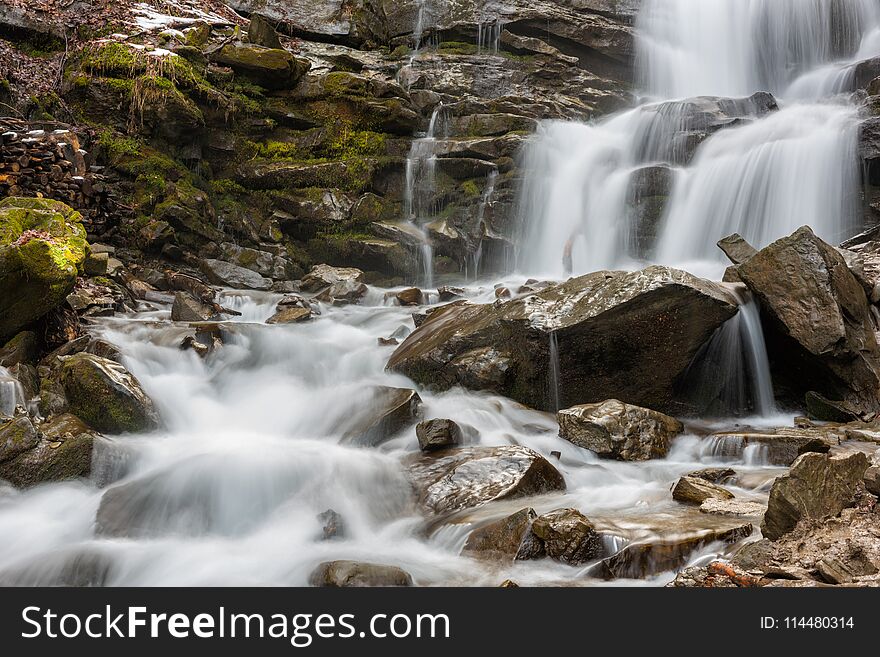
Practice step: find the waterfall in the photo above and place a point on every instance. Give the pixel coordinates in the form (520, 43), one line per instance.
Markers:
(11, 393)
(554, 371)
(480, 227)
(759, 170)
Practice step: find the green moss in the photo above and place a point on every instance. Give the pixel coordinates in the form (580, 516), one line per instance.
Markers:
(471, 189)
(225, 186)
(275, 150)
(457, 48)
(346, 143)
(119, 146)
(400, 52)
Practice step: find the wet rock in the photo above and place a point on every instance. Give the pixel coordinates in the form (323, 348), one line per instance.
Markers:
(827, 410)
(21, 348)
(409, 297)
(229, 275)
(187, 308)
(619, 431)
(90, 299)
(16, 436)
(728, 507)
(872, 480)
(333, 525)
(714, 475)
(52, 459)
(290, 315)
(736, 248)
(639, 560)
(262, 33)
(438, 434)
(96, 264)
(202, 343)
(817, 486)
(717, 575)
(470, 476)
(271, 68)
(106, 395)
(388, 342)
(450, 293)
(508, 539)
(821, 313)
(42, 250)
(620, 335)
(343, 292)
(323, 276)
(691, 490)
(388, 411)
(346, 574)
(568, 536)
(755, 555)
(780, 446)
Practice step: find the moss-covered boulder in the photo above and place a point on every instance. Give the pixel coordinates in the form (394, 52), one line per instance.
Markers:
(64, 451)
(106, 395)
(270, 68)
(42, 249)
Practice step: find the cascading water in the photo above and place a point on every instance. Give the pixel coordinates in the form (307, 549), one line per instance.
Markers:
(11, 393)
(480, 228)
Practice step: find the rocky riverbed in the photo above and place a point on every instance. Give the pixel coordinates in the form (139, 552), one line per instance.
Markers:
(274, 309)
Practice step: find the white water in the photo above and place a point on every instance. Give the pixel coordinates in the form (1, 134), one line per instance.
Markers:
(250, 454)
(11, 394)
(761, 177)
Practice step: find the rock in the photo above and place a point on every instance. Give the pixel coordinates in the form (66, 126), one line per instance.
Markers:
(438, 434)
(778, 446)
(16, 436)
(817, 486)
(290, 315)
(387, 412)
(470, 476)
(331, 20)
(714, 475)
(508, 539)
(187, 308)
(727, 507)
(21, 348)
(343, 292)
(409, 297)
(619, 431)
(827, 410)
(691, 490)
(262, 33)
(42, 250)
(229, 275)
(346, 574)
(717, 575)
(450, 293)
(619, 335)
(271, 68)
(64, 452)
(568, 536)
(736, 248)
(821, 310)
(640, 560)
(323, 276)
(333, 525)
(95, 264)
(104, 394)
(872, 480)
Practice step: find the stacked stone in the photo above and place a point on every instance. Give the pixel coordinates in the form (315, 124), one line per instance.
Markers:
(50, 163)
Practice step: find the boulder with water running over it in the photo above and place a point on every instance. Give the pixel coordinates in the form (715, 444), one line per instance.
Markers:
(106, 395)
(568, 536)
(385, 412)
(467, 477)
(346, 574)
(62, 450)
(615, 430)
(508, 539)
(822, 333)
(628, 336)
(693, 490)
(780, 446)
(321, 277)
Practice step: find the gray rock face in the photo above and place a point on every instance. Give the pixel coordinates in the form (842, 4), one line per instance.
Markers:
(692, 490)
(438, 434)
(620, 431)
(620, 336)
(817, 486)
(736, 248)
(346, 574)
(568, 536)
(229, 275)
(820, 307)
(327, 18)
(187, 308)
(321, 277)
(470, 476)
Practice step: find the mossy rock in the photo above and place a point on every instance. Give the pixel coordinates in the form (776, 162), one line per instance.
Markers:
(59, 459)
(42, 250)
(22, 348)
(106, 395)
(16, 436)
(270, 68)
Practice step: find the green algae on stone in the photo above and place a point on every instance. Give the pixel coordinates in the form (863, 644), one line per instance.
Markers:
(106, 395)
(42, 250)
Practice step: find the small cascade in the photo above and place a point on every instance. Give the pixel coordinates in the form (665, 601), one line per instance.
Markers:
(731, 374)
(11, 394)
(480, 227)
(418, 199)
(554, 371)
(489, 36)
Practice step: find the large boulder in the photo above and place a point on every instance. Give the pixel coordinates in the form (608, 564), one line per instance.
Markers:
(332, 19)
(693, 490)
(64, 451)
(818, 486)
(271, 68)
(186, 308)
(106, 395)
(824, 330)
(470, 476)
(508, 539)
(344, 574)
(438, 434)
(16, 436)
(42, 250)
(619, 431)
(568, 536)
(628, 336)
(225, 273)
(321, 277)
(386, 412)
